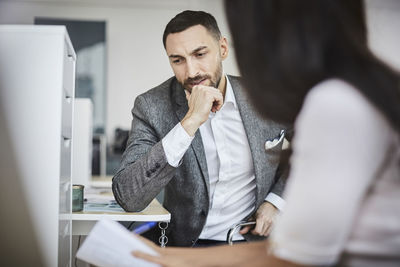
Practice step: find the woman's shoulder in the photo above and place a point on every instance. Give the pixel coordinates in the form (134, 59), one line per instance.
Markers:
(336, 99)
(336, 107)
(336, 93)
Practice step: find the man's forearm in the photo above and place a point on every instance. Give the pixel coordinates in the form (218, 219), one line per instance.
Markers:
(139, 182)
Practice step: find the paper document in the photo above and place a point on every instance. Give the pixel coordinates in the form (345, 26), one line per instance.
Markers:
(110, 244)
(94, 205)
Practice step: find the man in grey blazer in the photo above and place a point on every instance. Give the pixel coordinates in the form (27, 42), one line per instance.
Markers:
(197, 136)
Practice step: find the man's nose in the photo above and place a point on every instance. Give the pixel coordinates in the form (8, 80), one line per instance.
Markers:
(192, 69)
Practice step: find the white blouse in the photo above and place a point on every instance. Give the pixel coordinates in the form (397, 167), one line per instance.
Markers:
(343, 193)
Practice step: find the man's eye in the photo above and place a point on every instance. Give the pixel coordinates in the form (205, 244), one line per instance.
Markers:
(200, 54)
(176, 61)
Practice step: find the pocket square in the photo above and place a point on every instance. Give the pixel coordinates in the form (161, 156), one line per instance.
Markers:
(272, 143)
(285, 144)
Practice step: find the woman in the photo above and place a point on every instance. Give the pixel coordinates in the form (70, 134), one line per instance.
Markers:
(307, 62)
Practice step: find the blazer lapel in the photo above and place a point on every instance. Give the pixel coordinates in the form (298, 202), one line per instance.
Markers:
(197, 143)
(256, 132)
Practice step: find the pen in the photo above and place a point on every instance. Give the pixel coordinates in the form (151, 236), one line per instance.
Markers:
(144, 227)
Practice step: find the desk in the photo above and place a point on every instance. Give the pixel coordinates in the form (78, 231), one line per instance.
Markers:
(83, 221)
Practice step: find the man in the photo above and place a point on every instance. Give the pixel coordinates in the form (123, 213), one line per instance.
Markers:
(197, 137)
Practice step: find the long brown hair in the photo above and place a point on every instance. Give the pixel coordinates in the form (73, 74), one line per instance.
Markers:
(285, 47)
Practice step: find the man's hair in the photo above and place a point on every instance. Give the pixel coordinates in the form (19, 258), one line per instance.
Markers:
(189, 18)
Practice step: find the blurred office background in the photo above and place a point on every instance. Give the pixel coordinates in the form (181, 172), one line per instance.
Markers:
(119, 56)
(120, 53)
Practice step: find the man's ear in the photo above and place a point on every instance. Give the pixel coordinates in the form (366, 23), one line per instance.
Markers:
(223, 47)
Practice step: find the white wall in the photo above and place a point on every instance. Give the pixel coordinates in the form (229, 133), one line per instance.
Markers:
(136, 60)
(82, 141)
(383, 17)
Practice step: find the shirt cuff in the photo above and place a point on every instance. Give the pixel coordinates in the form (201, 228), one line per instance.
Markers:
(276, 200)
(175, 144)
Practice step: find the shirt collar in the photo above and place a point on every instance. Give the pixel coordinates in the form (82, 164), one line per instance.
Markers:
(229, 95)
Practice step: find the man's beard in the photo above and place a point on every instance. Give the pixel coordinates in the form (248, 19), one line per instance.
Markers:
(214, 80)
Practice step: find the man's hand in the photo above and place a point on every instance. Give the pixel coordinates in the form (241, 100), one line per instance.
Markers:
(201, 101)
(264, 216)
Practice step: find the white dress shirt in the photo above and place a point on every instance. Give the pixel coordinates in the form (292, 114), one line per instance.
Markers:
(343, 193)
(230, 167)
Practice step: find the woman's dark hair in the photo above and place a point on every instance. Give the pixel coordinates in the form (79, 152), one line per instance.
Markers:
(285, 47)
(189, 18)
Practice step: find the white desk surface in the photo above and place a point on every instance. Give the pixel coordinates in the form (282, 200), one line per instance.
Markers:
(83, 221)
(153, 212)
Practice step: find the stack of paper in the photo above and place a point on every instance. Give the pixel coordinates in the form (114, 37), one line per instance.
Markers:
(102, 206)
(110, 244)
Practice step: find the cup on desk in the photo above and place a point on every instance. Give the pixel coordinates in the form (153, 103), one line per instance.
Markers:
(77, 197)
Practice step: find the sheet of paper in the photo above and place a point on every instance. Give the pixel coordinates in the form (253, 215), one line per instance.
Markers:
(109, 244)
(98, 206)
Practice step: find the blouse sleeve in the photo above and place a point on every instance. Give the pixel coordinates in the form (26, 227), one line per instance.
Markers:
(340, 142)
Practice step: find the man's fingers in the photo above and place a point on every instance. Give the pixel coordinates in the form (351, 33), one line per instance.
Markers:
(266, 226)
(259, 227)
(219, 101)
(204, 87)
(202, 100)
(245, 230)
(265, 217)
(187, 95)
(210, 91)
(268, 230)
(262, 227)
(216, 106)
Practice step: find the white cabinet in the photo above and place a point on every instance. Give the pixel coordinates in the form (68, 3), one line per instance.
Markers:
(37, 74)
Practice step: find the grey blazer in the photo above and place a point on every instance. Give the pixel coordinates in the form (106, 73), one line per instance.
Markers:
(144, 169)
